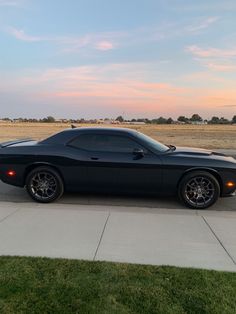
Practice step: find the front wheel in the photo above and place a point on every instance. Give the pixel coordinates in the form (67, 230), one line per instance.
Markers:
(44, 185)
(199, 190)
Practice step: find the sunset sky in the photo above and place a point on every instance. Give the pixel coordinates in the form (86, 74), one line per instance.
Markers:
(104, 58)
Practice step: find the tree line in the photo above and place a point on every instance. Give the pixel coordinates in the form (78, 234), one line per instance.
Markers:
(195, 118)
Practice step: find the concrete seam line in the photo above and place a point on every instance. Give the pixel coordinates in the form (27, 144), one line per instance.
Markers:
(217, 238)
(100, 240)
(11, 214)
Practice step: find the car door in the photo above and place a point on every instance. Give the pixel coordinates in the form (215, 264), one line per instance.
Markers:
(114, 163)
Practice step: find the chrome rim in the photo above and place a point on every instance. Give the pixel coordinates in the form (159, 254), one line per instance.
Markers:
(43, 185)
(199, 191)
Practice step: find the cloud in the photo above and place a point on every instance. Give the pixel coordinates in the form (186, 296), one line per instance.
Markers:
(105, 88)
(99, 41)
(218, 60)
(219, 67)
(222, 97)
(211, 52)
(203, 24)
(228, 106)
(110, 40)
(204, 6)
(21, 35)
(109, 89)
(11, 3)
(104, 45)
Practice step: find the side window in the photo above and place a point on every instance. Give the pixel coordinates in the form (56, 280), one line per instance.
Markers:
(105, 143)
(85, 142)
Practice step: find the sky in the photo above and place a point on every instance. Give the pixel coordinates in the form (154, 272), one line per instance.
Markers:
(104, 58)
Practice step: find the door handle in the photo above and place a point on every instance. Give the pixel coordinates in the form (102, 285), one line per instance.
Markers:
(94, 158)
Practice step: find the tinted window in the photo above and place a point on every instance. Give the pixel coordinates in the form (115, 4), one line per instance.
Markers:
(105, 143)
(153, 143)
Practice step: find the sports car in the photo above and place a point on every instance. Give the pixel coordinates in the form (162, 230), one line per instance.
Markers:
(116, 160)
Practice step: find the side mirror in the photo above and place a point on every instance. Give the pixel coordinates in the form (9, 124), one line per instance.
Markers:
(138, 152)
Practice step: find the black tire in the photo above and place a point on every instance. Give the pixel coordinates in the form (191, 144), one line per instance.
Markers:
(44, 185)
(199, 190)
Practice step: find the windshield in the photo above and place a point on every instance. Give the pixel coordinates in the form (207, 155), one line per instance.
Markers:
(153, 143)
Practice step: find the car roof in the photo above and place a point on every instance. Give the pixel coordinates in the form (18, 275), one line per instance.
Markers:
(68, 134)
(97, 128)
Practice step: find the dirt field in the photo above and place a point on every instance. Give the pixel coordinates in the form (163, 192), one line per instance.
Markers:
(206, 136)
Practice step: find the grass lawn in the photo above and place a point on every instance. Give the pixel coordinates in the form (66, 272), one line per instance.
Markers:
(41, 285)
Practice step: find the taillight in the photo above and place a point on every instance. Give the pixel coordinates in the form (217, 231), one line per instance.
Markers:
(11, 173)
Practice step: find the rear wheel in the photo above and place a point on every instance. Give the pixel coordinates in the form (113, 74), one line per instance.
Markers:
(44, 185)
(199, 190)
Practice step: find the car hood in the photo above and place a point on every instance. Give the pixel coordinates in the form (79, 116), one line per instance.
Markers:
(196, 152)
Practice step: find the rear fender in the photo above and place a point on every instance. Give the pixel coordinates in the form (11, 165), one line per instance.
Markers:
(35, 165)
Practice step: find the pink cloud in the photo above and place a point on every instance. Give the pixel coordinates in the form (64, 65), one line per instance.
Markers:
(102, 90)
(211, 52)
(21, 35)
(219, 67)
(104, 45)
(70, 43)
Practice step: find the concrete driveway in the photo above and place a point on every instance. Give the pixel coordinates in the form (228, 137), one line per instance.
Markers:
(17, 195)
(127, 232)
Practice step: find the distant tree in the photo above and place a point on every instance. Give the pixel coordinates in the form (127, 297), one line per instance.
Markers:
(160, 120)
(234, 119)
(80, 120)
(183, 119)
(214, 120)
(120, 119)
(148, 121)
(154, 121)
(196, 118)
(49, 119)
(145, 120)
(169, 121)
(224, 121)
(217, 120)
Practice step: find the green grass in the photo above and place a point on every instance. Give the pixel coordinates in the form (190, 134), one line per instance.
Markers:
(41, 285)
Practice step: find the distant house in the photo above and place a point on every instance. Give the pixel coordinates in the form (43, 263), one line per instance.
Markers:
(92, 121)
(110, 121)
(180, 122)
(135, 123)
(199, 122)
(115, 122)
(99, 121)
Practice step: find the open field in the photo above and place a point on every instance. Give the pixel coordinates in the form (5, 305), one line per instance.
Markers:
(205, 136)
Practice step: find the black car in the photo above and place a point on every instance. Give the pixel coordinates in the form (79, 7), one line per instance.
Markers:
(116, 160)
